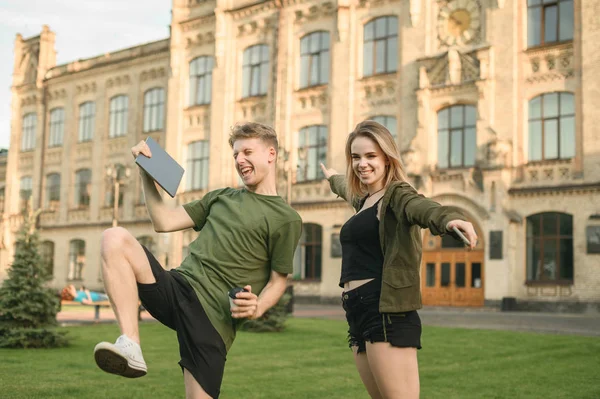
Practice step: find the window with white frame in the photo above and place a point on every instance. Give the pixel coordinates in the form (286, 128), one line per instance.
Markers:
(25, 191)
(314, 59)
(83, 182)
(549, 21)
(255, 71)
(551, 127)
(87, 116)
(76, 260)
(28, 132)
(201, 80)
(118, 116)
(52, 190)
(57, 127)
(312, 150)
(197, 165)
(380, 46)
(457, 139)
(154, 109)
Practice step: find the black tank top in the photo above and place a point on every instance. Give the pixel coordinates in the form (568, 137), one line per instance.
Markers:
(362, 257)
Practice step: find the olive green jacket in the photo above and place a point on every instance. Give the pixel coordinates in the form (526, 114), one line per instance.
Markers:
(403, 213)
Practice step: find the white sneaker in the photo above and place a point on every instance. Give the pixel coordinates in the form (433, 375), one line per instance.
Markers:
(124, 357)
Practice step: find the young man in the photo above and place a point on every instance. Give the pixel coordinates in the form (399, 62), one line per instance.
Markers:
(248, 239)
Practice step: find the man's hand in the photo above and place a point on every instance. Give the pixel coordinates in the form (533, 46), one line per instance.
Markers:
(141, 148)
(246, 305)
(328, 172)
(467, 229)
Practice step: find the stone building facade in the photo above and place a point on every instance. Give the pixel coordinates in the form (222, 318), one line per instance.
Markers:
(492, 103)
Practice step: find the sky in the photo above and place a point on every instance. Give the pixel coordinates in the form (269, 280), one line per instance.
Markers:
(83, 28)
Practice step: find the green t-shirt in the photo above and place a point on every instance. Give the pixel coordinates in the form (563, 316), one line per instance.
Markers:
(244, 236)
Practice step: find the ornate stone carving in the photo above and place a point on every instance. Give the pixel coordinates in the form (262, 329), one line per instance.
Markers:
(450, 68)
(152, 74)
(549, 64)
(314, 12)
(85, 88)
(258, 26)
(118, 81)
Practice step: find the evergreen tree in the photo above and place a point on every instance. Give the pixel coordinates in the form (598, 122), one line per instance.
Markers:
(27, 307)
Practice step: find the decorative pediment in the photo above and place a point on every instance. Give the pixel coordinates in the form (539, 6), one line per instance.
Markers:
(311, 98)
(253, 108)
(549, 64)
(314, 12)
(152, 74)
(449, 68)
(378, 90)
(197, 117)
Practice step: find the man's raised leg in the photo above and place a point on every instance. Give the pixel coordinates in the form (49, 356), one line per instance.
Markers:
(124, 264)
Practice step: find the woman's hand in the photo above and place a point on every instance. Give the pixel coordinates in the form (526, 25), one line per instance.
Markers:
(466, 228)
(328, 172)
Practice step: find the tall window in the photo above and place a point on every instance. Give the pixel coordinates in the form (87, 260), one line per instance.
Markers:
(550, 247)
(549, 21)
(76, 260)
(388, 121)
(312, 150)
(457, 141)
(52, 190)
(255, 71)
(87, 115)
(308, 256)
(551, 127)
(83, 182)
(201, 80)
(28, 133)
(47, 255)
(197, 165)
(118, 116)
(25, 191)
(57, 127)
(380, 48)
(154, 109)
(314, 59)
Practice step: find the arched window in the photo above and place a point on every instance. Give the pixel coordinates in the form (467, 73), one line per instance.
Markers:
(47, 255)
(388, 121)
(312, 150)
(119, 106)
(76, 260)
(380, 47)
(57, 127)
(308, 256)
(154, 109)
(87, 116)
(255, 71)
(314, 59)
(549, 21)
(551, 127)
(550, 247)
(457, 139)
(201, 80)
(28, 132)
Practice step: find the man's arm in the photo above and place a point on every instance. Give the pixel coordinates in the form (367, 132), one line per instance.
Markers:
(164, 218)
(250, 306)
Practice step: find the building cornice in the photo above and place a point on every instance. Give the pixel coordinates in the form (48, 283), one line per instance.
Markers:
(252, 9)
(555, 190)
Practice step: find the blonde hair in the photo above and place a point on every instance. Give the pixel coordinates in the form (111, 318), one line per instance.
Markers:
(384, 139)
(251, 130)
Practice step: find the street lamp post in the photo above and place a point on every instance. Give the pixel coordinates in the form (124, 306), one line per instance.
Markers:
(117, 175)
(289, 171)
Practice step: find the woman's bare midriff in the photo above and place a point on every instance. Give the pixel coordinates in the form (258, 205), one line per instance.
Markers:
(350, 285)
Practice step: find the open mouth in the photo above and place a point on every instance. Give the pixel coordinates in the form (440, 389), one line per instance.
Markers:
(245, 171)
(364, 173)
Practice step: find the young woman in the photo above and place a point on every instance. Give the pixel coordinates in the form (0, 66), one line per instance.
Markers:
(381, 256)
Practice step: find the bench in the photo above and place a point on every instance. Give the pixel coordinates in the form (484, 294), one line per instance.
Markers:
(97, 306)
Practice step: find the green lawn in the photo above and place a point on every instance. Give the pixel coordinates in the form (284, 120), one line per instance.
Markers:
(311, 360)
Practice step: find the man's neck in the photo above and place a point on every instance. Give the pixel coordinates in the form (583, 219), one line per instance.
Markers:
(264, 188)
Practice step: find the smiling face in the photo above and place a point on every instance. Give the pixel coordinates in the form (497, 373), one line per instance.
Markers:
(369, 163)
(254, 161)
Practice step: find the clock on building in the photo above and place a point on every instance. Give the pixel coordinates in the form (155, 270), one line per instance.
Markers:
(458, 22)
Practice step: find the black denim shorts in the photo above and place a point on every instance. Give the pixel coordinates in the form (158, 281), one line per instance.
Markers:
(366, 323)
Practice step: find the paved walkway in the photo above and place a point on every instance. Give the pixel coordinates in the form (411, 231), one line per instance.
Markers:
(555, 323)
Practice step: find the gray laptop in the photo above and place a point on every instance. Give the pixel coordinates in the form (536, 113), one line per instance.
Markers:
(161, 167)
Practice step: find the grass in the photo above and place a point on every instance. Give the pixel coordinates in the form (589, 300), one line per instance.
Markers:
(311, 360)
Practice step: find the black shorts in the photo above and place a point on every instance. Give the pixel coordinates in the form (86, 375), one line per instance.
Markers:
(366, 323)
(172, 301)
